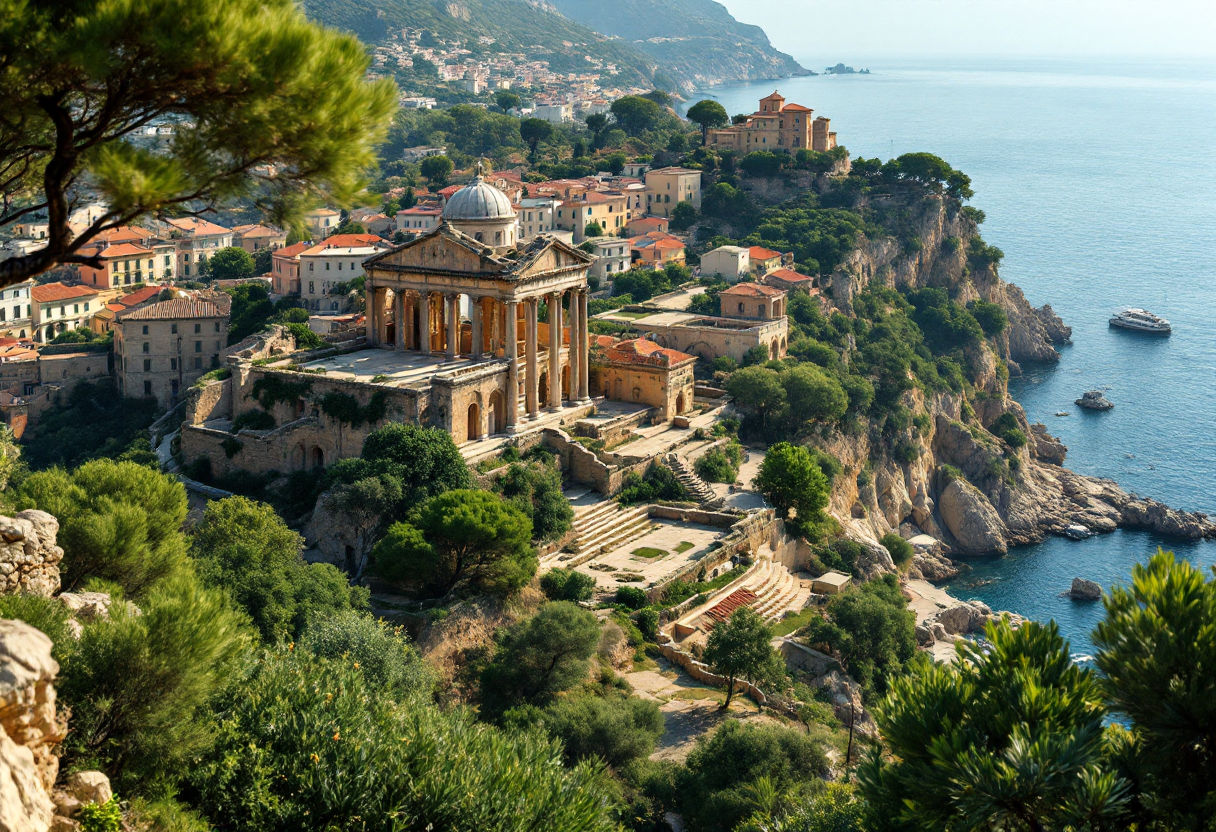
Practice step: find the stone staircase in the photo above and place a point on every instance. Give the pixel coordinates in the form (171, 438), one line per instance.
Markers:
(774, 590)
(600, 528)
(696, 487)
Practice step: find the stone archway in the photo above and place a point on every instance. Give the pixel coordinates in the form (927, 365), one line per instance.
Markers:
(473, 426)
(498, 414)
(680, 404)
(318, 457)
(772, 350)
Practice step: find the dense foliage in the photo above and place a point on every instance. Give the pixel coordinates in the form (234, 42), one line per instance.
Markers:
(94, 421)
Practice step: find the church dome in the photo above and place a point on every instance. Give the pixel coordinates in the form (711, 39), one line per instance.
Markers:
(478, 201)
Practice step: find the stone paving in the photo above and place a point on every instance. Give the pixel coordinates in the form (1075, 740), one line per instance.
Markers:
(668, 536)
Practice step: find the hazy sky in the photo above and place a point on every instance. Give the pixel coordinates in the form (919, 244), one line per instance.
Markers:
(852, 30)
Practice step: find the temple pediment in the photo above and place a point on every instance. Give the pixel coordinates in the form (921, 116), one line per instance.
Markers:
(444, 249)
(547, 255)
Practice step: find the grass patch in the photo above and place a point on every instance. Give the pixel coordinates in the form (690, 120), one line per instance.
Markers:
(794, 622)
(683, 547)
(699, 694)
(633, 316)
(649, 552)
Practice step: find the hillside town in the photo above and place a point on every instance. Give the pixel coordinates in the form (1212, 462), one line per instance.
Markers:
(559, 458)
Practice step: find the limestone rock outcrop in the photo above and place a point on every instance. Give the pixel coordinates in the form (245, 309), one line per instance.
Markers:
(1085, 590)
(29, 558)
(974, 524)
(29, 728)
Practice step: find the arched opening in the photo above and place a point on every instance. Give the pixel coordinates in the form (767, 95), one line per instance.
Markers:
(474, 423)
(318, 457)
(680, 402)
(544, 388)
(299, 457)
(498, 414)
(566, 383)
(772, 349)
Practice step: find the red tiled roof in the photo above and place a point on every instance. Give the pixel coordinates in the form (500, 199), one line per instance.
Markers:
(447, 192)
(345, 240)
(174, 309)
(657, 223)
(789, 276)
(294, 249)
(421, 210)
(725, 608)
(256, 231)
(197, 226)
(139, 296)
(125, 250)
(50, 292)
(752, 290)
(796, 108)
(642, 351)
(124, 234)
(762, 253)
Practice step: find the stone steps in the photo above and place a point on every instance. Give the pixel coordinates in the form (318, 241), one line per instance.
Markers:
(697, 488)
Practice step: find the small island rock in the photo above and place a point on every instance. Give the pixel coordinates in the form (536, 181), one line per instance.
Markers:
(1083, 590)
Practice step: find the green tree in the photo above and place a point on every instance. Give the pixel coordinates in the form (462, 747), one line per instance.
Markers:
(871, 630)
(739, 648)
(838, 808)
(349, 226)
(899, 549)
(232, 263)
(382, 652)
(616, 162)
(82, 78)
(709, 114)
(436, 169)
(567, 585)
(683, 215)
(306, 742)
(118, 522)
(92, 420)
(813, 395)
(759, 390)
(790, 479)
(137, 684)
(540, 657)
(244, 548)
(537, 490)
(263, 261)
(1157, 648)
(728, 768)
(420, 462)
(460, 540)
(593, 229)
(1007, 737)
(617, 729)
(534, 131)
(507, 100)
(636, 114)
(364, 507)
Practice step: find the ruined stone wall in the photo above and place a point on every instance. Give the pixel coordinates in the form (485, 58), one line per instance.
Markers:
(29, 558)
(211, 401)
(29, 728)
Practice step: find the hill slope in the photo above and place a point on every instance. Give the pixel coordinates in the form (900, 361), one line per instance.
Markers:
(516, 26)
(697, 42)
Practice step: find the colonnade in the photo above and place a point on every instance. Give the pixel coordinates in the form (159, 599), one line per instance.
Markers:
(430, 322)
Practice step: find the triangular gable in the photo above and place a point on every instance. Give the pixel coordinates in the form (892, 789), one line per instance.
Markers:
(548, 254)
(445, 249)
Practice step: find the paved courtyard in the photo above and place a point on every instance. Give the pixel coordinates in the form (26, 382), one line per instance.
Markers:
(681, 543)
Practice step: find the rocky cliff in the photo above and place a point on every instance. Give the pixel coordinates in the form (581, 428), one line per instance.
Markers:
(970, 489)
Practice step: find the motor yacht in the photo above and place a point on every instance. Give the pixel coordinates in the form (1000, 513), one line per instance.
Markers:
(1140, 320)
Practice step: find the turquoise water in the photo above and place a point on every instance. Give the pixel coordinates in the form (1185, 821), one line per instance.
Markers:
(1099, 183)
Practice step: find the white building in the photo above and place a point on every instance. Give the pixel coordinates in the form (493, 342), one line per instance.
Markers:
(555, 113)
(417, 154)
(16, 311)
(322, 222)
(729, 262)
(535, 216)
(324, 266)
(612, 256)
(419, 220)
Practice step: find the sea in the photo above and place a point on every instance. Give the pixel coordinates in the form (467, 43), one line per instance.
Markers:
(1098, 180)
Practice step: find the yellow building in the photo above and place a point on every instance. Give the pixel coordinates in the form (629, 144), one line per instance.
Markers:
(668, 187)
(776, 127)
(607, 210)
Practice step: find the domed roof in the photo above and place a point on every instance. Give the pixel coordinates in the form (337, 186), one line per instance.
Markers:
(478, 200)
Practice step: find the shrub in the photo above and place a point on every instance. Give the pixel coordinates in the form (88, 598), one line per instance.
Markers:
(1006, 427)
(899, 549)
(253, 419)
(381, 651)
(631, 596)
(617, 729)
(567, 585)
(100, 817)
(648, 624)
(660, 483)
(991, 316)
(715, 466)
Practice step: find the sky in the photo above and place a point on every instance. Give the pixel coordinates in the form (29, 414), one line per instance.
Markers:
(819, 32)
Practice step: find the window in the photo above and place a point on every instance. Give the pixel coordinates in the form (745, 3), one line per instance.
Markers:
(217, 326)
(86, 306)
(198, 346)
(173, 328)
(740, 309)
(147, 388)
(147, 347)
(186, 258)
(167, 261)
(198, 328)
(310, 265)
(327, 265)
(311, 290)
(147, 365)
(198, 362)
(187, 271)
(145, 329)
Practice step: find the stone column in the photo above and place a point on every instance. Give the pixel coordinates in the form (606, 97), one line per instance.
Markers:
(477, 312)
(532, 379)
(510, 352)
(584, 350)
(572, 357)
(555, 351)
(411, 331)
(453, 325)
(433, 326)
(381, 316)
(399, 320)
(369, 313)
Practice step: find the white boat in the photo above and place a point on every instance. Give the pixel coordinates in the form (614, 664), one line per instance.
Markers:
(1140, 320)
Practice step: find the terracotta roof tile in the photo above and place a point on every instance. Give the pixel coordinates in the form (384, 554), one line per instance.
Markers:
(197, 226)
(789, 276)
(51, 292)
(125, 250)
(293, 250)
(642, 351)
(762, 253)
(174, 309)
(752, 290)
